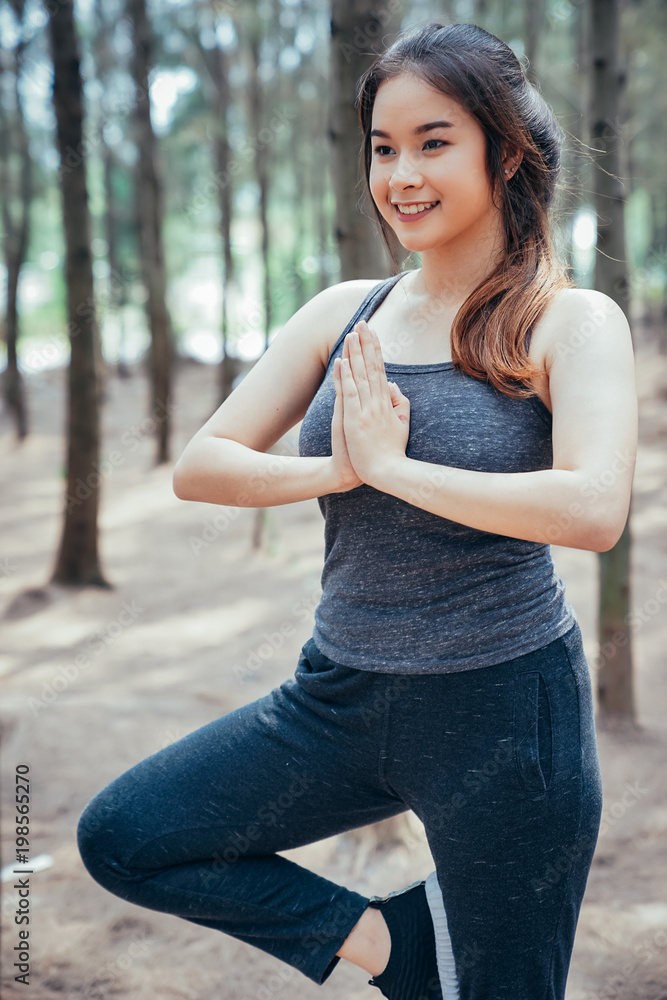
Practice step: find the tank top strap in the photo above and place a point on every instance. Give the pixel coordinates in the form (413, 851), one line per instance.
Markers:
(370, 303)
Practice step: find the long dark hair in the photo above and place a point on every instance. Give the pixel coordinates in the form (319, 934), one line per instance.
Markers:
(481, 72)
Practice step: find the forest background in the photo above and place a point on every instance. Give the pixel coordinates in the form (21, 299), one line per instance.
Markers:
(188, 184)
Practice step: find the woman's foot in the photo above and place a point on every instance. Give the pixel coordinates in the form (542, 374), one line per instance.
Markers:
(412, 970)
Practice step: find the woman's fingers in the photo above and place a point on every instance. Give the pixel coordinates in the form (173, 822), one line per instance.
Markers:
(372, 342)
(349, 386)
(366, 362)
(347, 383)
(358, 366)
(336, 378)
(338, 421)
(400, 403)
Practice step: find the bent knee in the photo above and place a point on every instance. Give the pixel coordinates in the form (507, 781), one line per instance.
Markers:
(101, 841)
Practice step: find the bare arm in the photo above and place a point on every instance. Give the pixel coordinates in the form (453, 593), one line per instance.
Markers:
(583, 500)
(226, 460)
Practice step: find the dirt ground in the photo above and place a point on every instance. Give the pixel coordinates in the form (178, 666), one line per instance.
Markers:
(201, 601)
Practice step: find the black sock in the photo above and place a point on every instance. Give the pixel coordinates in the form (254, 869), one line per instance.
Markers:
(412, 971)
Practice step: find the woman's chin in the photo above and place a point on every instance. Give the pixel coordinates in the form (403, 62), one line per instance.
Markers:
(412, 241)
(414, 244)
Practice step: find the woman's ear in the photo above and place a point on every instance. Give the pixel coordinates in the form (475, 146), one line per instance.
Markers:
(511, 162)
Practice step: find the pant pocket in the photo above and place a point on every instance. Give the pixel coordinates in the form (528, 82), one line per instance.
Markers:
(532, 733)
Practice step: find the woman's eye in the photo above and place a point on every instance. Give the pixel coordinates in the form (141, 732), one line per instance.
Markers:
(386, 150)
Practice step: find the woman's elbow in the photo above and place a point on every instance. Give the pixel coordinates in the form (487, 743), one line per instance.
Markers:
(610, 535)
(181, 480)
(605, 532)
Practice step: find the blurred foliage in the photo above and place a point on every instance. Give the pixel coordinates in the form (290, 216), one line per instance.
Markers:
(294, 60)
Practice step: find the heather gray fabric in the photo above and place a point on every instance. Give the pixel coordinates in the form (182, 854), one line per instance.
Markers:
(405, 590)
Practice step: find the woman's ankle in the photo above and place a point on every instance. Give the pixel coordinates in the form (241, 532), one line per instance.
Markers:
(368, 944)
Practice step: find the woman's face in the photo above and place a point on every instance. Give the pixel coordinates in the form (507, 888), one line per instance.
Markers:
(443, 163)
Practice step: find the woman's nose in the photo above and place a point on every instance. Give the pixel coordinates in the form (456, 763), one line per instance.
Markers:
(405, 174)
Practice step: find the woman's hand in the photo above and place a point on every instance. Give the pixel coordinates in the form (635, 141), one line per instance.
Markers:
(375, 413)
(344, 472)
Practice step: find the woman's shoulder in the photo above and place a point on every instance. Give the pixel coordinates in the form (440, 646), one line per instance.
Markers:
(575, 302)
(335, 305)
(348, 293)
(573, 317)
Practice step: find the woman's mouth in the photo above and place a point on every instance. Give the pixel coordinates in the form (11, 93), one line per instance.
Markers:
(410, 213)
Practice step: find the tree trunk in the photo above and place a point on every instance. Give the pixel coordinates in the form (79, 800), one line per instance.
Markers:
(220, 77)
(16, 233)
(577, 162)
(104, 64)
(323, 237)
(481, 11)
(262, 518)
(77, 562)
(533, 14)
(359, 30)
(117, 285)
(658, 309)
(149, 201)
(303, 200)
(256, 107)
(615, 676)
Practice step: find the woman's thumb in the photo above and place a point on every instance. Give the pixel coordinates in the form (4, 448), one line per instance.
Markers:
(400, 403)
(397, 394)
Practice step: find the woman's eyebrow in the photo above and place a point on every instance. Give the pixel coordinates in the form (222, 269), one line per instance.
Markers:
(417, 131)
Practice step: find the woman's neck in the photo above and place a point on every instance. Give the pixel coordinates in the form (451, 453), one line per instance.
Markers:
(449, 274)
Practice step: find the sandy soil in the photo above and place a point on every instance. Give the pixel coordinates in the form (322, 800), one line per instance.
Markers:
(203, 611)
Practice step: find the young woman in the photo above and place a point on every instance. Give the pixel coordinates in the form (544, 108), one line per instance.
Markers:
(445, 672)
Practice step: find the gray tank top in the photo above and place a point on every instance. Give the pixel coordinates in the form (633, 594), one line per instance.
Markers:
(408, 591)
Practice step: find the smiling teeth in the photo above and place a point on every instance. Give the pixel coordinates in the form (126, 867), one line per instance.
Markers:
(414, 209)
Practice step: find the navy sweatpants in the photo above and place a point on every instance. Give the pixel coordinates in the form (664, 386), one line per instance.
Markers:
(499, 763)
